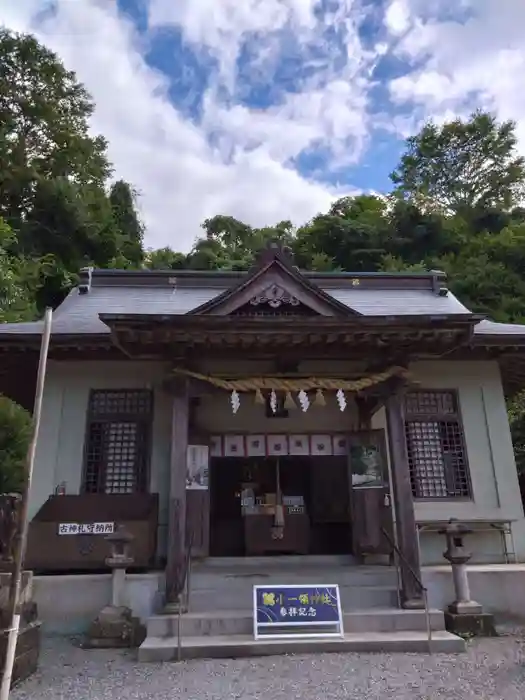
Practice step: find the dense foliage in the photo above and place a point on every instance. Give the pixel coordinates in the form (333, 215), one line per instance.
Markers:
(15, 433)
(455, 205)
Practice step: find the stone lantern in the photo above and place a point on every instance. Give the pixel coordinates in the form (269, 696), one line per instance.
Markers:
(119, 560)
(464, 616)
(115, 625)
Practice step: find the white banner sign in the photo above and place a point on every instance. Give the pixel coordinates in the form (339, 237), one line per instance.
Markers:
(86, 528)
(197, 461)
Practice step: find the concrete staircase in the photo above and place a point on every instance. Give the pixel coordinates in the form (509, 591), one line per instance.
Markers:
(220, 621)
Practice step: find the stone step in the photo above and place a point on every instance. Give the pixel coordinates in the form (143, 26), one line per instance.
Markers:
(235, 597)
(292, 560)
(282, 562)
(231, 622)
(235, 646)
(203, 577)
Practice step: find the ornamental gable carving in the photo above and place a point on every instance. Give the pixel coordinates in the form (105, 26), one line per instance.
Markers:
(274, 296)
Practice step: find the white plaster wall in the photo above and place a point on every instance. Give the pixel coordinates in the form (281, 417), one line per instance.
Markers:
(499, 588)
(496, 493)
(60, 446)
(215, 414)
(490, 454)
(82, 597)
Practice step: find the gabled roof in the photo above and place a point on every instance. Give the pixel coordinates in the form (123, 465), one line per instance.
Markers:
(181, 292)
(172, 293)
(275, 275)
(79, 313)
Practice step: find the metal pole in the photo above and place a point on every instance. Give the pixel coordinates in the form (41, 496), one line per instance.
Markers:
(16, 576)
(428, 621)
(179, 632)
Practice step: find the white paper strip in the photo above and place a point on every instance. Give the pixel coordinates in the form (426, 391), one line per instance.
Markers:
(299, 445)
(321, 444)
(256, 445)
(234, 446)
(339, 444)
(277, 445)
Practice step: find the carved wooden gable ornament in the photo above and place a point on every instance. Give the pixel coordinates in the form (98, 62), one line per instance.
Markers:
(275, 296)
(274, 287)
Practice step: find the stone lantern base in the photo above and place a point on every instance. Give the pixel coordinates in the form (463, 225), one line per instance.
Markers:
(470, 624)
(115, 627)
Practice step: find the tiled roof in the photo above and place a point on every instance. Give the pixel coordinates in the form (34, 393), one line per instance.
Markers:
(79, 313)
(166, 293)
(398, 302)
(492, 328)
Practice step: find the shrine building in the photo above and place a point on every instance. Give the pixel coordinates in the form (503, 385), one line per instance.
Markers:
(269, 413)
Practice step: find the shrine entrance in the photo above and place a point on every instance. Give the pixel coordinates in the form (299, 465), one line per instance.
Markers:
(299, 494)
(280, 505)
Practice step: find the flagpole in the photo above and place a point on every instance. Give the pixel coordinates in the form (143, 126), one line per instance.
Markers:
(22, 523)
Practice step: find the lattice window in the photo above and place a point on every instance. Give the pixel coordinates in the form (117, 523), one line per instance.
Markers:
(117, 446)
(436, 446)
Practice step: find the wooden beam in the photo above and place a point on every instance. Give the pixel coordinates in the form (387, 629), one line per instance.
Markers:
(196, 387)
(177, 552)
(407, 538)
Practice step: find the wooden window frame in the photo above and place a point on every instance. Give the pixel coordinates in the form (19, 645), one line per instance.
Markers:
(450, 472)
(144, 421)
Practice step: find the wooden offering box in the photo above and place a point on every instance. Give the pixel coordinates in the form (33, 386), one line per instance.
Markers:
(69, 532)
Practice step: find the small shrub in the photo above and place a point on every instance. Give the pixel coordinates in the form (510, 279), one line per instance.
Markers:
(15, 433)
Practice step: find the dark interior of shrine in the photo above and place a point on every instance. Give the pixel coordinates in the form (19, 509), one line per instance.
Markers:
(245, 499)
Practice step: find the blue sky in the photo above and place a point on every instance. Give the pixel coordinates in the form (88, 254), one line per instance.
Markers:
(269, 109)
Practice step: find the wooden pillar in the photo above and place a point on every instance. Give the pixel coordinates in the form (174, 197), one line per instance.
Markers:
(176, 541)
(407, 538)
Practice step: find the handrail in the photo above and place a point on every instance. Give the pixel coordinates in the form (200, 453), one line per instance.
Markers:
(184, 593)
(424, 590)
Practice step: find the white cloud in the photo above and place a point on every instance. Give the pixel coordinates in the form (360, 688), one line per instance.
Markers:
(222, 25)
(477, 61)
(168, 158)
(238, 160)
(397, 17)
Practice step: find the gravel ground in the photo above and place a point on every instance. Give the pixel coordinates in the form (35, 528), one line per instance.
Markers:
(491, 669)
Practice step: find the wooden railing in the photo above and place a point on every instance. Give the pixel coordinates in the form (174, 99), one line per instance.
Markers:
(184, 594)
(400, 557)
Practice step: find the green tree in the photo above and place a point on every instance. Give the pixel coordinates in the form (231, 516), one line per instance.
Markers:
(165, 259)
(74, 226)
(15, 433)
(230, 244)
(352, 236)
(462, 166)
(44, 127)
(54, 174)
(230, 232)
(516, 413)
(123, 202)
(15, 275)
(213, 254)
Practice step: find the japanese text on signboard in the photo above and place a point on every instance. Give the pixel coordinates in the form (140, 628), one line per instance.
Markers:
(86, 528)
(301, 604)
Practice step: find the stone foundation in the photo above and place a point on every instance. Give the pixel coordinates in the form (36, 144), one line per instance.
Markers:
(470, 624)
(115, 627)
